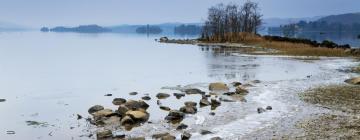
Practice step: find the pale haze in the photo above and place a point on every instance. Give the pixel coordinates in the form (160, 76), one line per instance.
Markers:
(37, 13)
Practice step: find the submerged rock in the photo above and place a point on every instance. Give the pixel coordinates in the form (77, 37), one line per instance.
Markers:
(118, 101)
(218, 87)
(215, 102)
(182, 126)
(102, 113)
(2, 100)
(95, 108)
(188, 109)
(108, 95)
(236, 84)
(127, 120)
(165, 108)
(133, 93)
(216, 138)
(175, 116)
(205, 132)
(354, 81)
(162, 95)
(194, 91)
(146, 98)
(260, 110)
(179, 95)
(185, 136)
(268, 108)
(242, 91)
(122, 110)
(104, 134)
(159, 135)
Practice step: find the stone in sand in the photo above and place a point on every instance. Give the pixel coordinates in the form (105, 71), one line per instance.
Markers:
(95, 108)
(104, 134)
(354, 81)
(218, 87)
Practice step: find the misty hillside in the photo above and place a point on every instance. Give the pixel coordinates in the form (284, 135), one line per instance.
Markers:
(346, 19)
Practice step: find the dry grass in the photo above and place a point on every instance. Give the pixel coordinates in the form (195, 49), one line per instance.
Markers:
(286, 48)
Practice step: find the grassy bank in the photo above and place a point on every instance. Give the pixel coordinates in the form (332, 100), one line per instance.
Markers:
(285, 47)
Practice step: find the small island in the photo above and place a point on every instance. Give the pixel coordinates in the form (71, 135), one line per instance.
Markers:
(80, 29)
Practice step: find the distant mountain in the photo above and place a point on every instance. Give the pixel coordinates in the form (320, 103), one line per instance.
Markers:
(276, 22)
(345, 19)
(80, 29)
(167, 28)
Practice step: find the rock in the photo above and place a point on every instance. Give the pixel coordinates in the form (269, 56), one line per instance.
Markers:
(229, 93)
(119, 137)
(214, 102)
(138, 115)
(190, 103)
(146, 98)
(242, 91)
(216, 138)
(268, 108)
(168, 137)
(158, 102)
(2, 100)
(194, 91)
(354, 81)
(104, 134)
(212, 113)
(165, 108)
(179, 95)
(79, 117)
(204, 102)
(113, 120)
(236, 84)
(185, 136)
(118, 101)
(205, 132)
(95, 108)
(136, 138)
(224, 99)
(135, 105)
(260, 110)
(122, 110)
(160, 135)
(255, 81)
(162, 95)
(108, 95)
(218, 87)
(102, 113)
(188, 109)
(163, 39)
(182, 126)
(133, 93)
(175, 115)
(127, 120)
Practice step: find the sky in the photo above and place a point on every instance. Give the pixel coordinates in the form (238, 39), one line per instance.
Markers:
(37, 13)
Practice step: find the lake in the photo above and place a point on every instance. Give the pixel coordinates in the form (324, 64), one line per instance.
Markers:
(52, 77)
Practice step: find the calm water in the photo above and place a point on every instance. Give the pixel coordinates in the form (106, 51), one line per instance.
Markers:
(51, 77)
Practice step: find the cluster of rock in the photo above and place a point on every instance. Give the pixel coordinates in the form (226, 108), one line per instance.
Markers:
(178, 41)
(132, 113)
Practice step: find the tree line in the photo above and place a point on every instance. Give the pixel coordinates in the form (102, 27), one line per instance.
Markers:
(226, 22)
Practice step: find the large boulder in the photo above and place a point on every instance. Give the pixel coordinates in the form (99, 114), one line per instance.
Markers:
(354, 81)
(118, 101)
(162, 95)
(127, 120)
(218, 87)
(95, 108)
(138, 115)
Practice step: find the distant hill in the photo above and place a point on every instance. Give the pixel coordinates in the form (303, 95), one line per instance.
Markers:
(80, 29)
(167, 28)
(10, 27)
(345, 19)
(276, 22)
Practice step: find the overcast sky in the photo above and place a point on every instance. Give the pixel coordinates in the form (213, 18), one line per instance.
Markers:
(37, 13)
